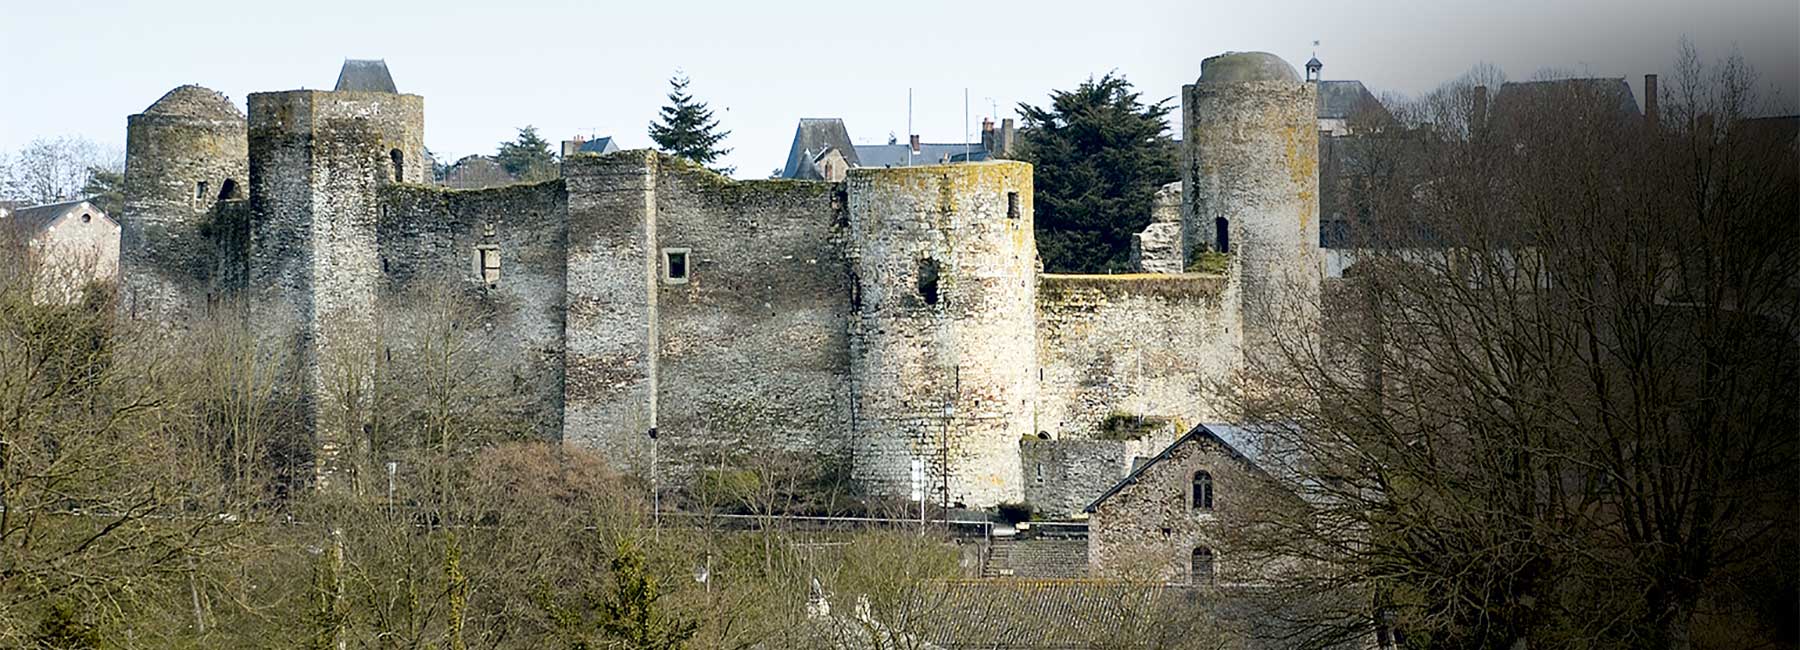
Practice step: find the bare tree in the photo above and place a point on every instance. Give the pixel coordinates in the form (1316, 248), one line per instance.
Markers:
(1555, 406)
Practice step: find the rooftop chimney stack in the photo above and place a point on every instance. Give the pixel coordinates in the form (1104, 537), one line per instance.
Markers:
(1007, 133)
(914, 140)
(1651, 115)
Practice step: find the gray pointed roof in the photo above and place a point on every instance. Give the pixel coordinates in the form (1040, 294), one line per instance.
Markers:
(1343, 99)
(39, 217)
(365, 76)
(814, 136)
(1234, 439)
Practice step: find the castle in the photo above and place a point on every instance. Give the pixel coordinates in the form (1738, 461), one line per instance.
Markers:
(648, 306)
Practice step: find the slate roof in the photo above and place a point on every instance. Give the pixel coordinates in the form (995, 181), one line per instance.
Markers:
(1342, 99)
(39, 217)
(365, 76)
(812, 137)
(599, 145)
(1233, 438)
(930, 153)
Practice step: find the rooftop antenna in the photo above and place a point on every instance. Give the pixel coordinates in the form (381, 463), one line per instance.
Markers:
(965, 124)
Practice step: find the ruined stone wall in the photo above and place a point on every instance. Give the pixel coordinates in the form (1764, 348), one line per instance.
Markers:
(609, 385)
(1149, 529)
(190, 136)
(1251, 156)
(944, 339)
(1037, 557)
(430, 245)
(1063, 476)
(1142, 345)
(316, 162)
(1158, 248)
(752, 348)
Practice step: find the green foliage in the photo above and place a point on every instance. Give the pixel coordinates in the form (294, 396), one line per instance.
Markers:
(62, 628)
(105, 188)
(1100, 155)
(688, 129)
(1211, 262)
(632, 614)
(1129, 426)
(527, 158)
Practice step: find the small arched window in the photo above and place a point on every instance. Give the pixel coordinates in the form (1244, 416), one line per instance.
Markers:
(399, 164)
(229, 190)
(1203, 490)
(1200, 568)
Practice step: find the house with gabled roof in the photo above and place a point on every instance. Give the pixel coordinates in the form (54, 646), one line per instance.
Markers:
(68, 245)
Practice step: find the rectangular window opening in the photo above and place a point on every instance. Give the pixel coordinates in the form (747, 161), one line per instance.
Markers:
(675, 265)
(487, 259)
(200, 191)
(1012, 205)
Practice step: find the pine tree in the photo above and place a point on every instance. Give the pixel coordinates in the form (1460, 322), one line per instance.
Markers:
(1100, 155)
(528, 158)
(688, 129)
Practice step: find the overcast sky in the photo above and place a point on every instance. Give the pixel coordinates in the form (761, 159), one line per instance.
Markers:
(79, 68)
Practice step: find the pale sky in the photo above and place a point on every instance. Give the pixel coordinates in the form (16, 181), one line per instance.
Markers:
(600, 68)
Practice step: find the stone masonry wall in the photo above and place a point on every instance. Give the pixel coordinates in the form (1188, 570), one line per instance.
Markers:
(191, 136)
(944, 340)
(1157, 248)
(1251, 157)
(1063, 476)
(752, 348)
(1144, 345)
(609, 386)
(430, 243)
(1149, 529)
(316, 162)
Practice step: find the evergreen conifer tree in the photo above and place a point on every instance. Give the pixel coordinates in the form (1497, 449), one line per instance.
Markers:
(687, 128)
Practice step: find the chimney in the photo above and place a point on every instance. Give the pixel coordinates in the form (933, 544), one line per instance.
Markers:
(1651, 116)
(987, 125)
(1006, 137)
(914, 139)
(1478, 113)
(987, 134)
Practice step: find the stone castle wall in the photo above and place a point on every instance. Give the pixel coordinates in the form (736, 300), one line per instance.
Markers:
(189, 138)
(1063, 476)
(1141, 345)
(944, 341)
(1149, 528)
(431, 243)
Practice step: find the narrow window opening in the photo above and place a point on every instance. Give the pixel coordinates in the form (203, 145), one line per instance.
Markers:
(1040, 473)
(1200, 569)
(1223, 227)
(228, 190)
(676, 265)
(399, 164)
(200, 191)
(928, 280)
(1012, 205)
(488, 261)
(1203, 490)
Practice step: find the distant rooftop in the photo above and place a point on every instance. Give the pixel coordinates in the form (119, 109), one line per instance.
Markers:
(930, 153)
(365, 76)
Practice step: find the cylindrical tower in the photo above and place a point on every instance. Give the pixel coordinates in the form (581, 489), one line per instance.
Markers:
(943, 340)
(182, 155)
(1251, 172)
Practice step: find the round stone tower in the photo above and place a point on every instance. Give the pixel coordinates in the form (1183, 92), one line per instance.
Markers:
(943, 335)
(1251, 175)
(182, 155)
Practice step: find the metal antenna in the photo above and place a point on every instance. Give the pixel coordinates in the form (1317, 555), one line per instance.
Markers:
(965, 124)
(909, 127)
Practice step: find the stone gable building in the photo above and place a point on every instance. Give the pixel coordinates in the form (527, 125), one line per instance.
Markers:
(646, 306)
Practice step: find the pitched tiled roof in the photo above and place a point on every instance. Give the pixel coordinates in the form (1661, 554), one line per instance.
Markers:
(1344, 99)
(930, 153)
(39, 217)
